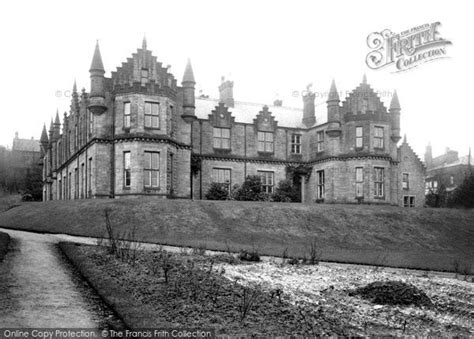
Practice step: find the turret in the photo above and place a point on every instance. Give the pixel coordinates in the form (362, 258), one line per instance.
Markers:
(44, 140)
(334, 119)
(395, 117)
(97, 96)
(56, 127)
(51, 132)
(309, 115)
(226, 92)
(188, 84)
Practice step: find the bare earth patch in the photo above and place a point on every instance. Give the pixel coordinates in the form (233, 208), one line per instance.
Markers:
(273, 299)
(329, 289)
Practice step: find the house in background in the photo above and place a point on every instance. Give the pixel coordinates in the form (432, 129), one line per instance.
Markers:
(448, 170)
(138, 133)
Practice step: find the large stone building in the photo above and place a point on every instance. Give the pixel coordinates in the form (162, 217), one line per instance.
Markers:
(139, 133)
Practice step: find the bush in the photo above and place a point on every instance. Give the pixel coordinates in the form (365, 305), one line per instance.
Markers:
(250, 190)
(218, 191)
(249, 255)
(286, 192)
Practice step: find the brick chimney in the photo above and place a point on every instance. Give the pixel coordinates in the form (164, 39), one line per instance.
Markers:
(226, 92)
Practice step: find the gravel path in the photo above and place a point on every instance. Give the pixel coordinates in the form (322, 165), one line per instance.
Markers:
(39, 288)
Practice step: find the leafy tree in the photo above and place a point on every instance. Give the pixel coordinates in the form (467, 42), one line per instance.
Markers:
(218, 191)
(463, 196)
(286, 192)
(34, 183)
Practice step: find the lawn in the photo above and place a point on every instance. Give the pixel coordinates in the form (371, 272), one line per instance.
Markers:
(262, 299)
(382, 235)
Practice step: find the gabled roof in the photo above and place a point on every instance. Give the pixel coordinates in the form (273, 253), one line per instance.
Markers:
(246, 112)
(26, 145)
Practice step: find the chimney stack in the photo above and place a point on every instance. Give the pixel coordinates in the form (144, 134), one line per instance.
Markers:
(226, 92)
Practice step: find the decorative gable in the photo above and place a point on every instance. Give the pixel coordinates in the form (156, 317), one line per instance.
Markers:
(363, 100)
(265, 121)
(221, 116)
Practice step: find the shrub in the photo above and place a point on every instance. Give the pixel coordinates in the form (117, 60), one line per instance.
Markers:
(463, 196)
(286, 192)
(218, 191)
(250, 190)
(249, 255)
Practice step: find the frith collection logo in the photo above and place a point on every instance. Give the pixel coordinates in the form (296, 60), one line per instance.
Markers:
(407, 49)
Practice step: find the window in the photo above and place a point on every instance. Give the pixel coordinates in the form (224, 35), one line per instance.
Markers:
(221, 138)
(320, 185)
(359, 182)
(152, 169)
(359, 137)
(60, 190)
(408, 201)
(379, 182)
(127, 172)
(152, 115)
(320, 141)
(76, 137)
(265, 142)
(267, 181)
(126, 115)
(76, 183)
(378, 137)
(365, 105)
(144, 77)
(83, 179)
(222, 176)
(91, 123)
(89, 172)
(405, 179)
(296, 144)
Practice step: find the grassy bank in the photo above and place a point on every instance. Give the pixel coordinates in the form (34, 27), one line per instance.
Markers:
(380, 235)
(4, 241)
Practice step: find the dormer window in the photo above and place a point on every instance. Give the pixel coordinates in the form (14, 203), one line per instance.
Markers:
(265, 142)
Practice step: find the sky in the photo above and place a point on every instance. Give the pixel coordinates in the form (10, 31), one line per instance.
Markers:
(269, 49)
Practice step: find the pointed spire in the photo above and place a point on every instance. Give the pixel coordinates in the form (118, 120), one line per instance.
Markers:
(364, 79)
(44, 135)
(333, 94)
(404, 138)
(188, 73)
(51, 125)
(97, 64)
(144, 42)
(56, 120)
(395, 104)
(74, 87)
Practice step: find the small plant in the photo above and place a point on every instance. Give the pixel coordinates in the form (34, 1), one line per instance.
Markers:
(252, 255)
(248, 297)
(218, 191)
(200, 250)
(314, 253)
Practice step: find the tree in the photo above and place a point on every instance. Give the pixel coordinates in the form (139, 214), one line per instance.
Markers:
(463, 195)
(286, 192)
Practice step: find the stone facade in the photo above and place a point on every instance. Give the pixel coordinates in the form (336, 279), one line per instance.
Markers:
(139, 133)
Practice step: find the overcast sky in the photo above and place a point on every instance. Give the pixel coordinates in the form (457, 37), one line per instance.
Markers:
(268, 48)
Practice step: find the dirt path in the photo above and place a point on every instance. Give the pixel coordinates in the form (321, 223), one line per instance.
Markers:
(39, 288)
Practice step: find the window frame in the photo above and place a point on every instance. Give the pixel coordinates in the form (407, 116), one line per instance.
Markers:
(359, 180)
(152, 117)
(264, 176)
(151, 170)
(264, 144)
(127, 169)
(320, 141)
(379, 139)
(320, 185)
(359, 138)
(127, 115)
(295, 142)
(227, 172)
(405, 183)
(379, 183)
(219, 141)
(409, 201)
